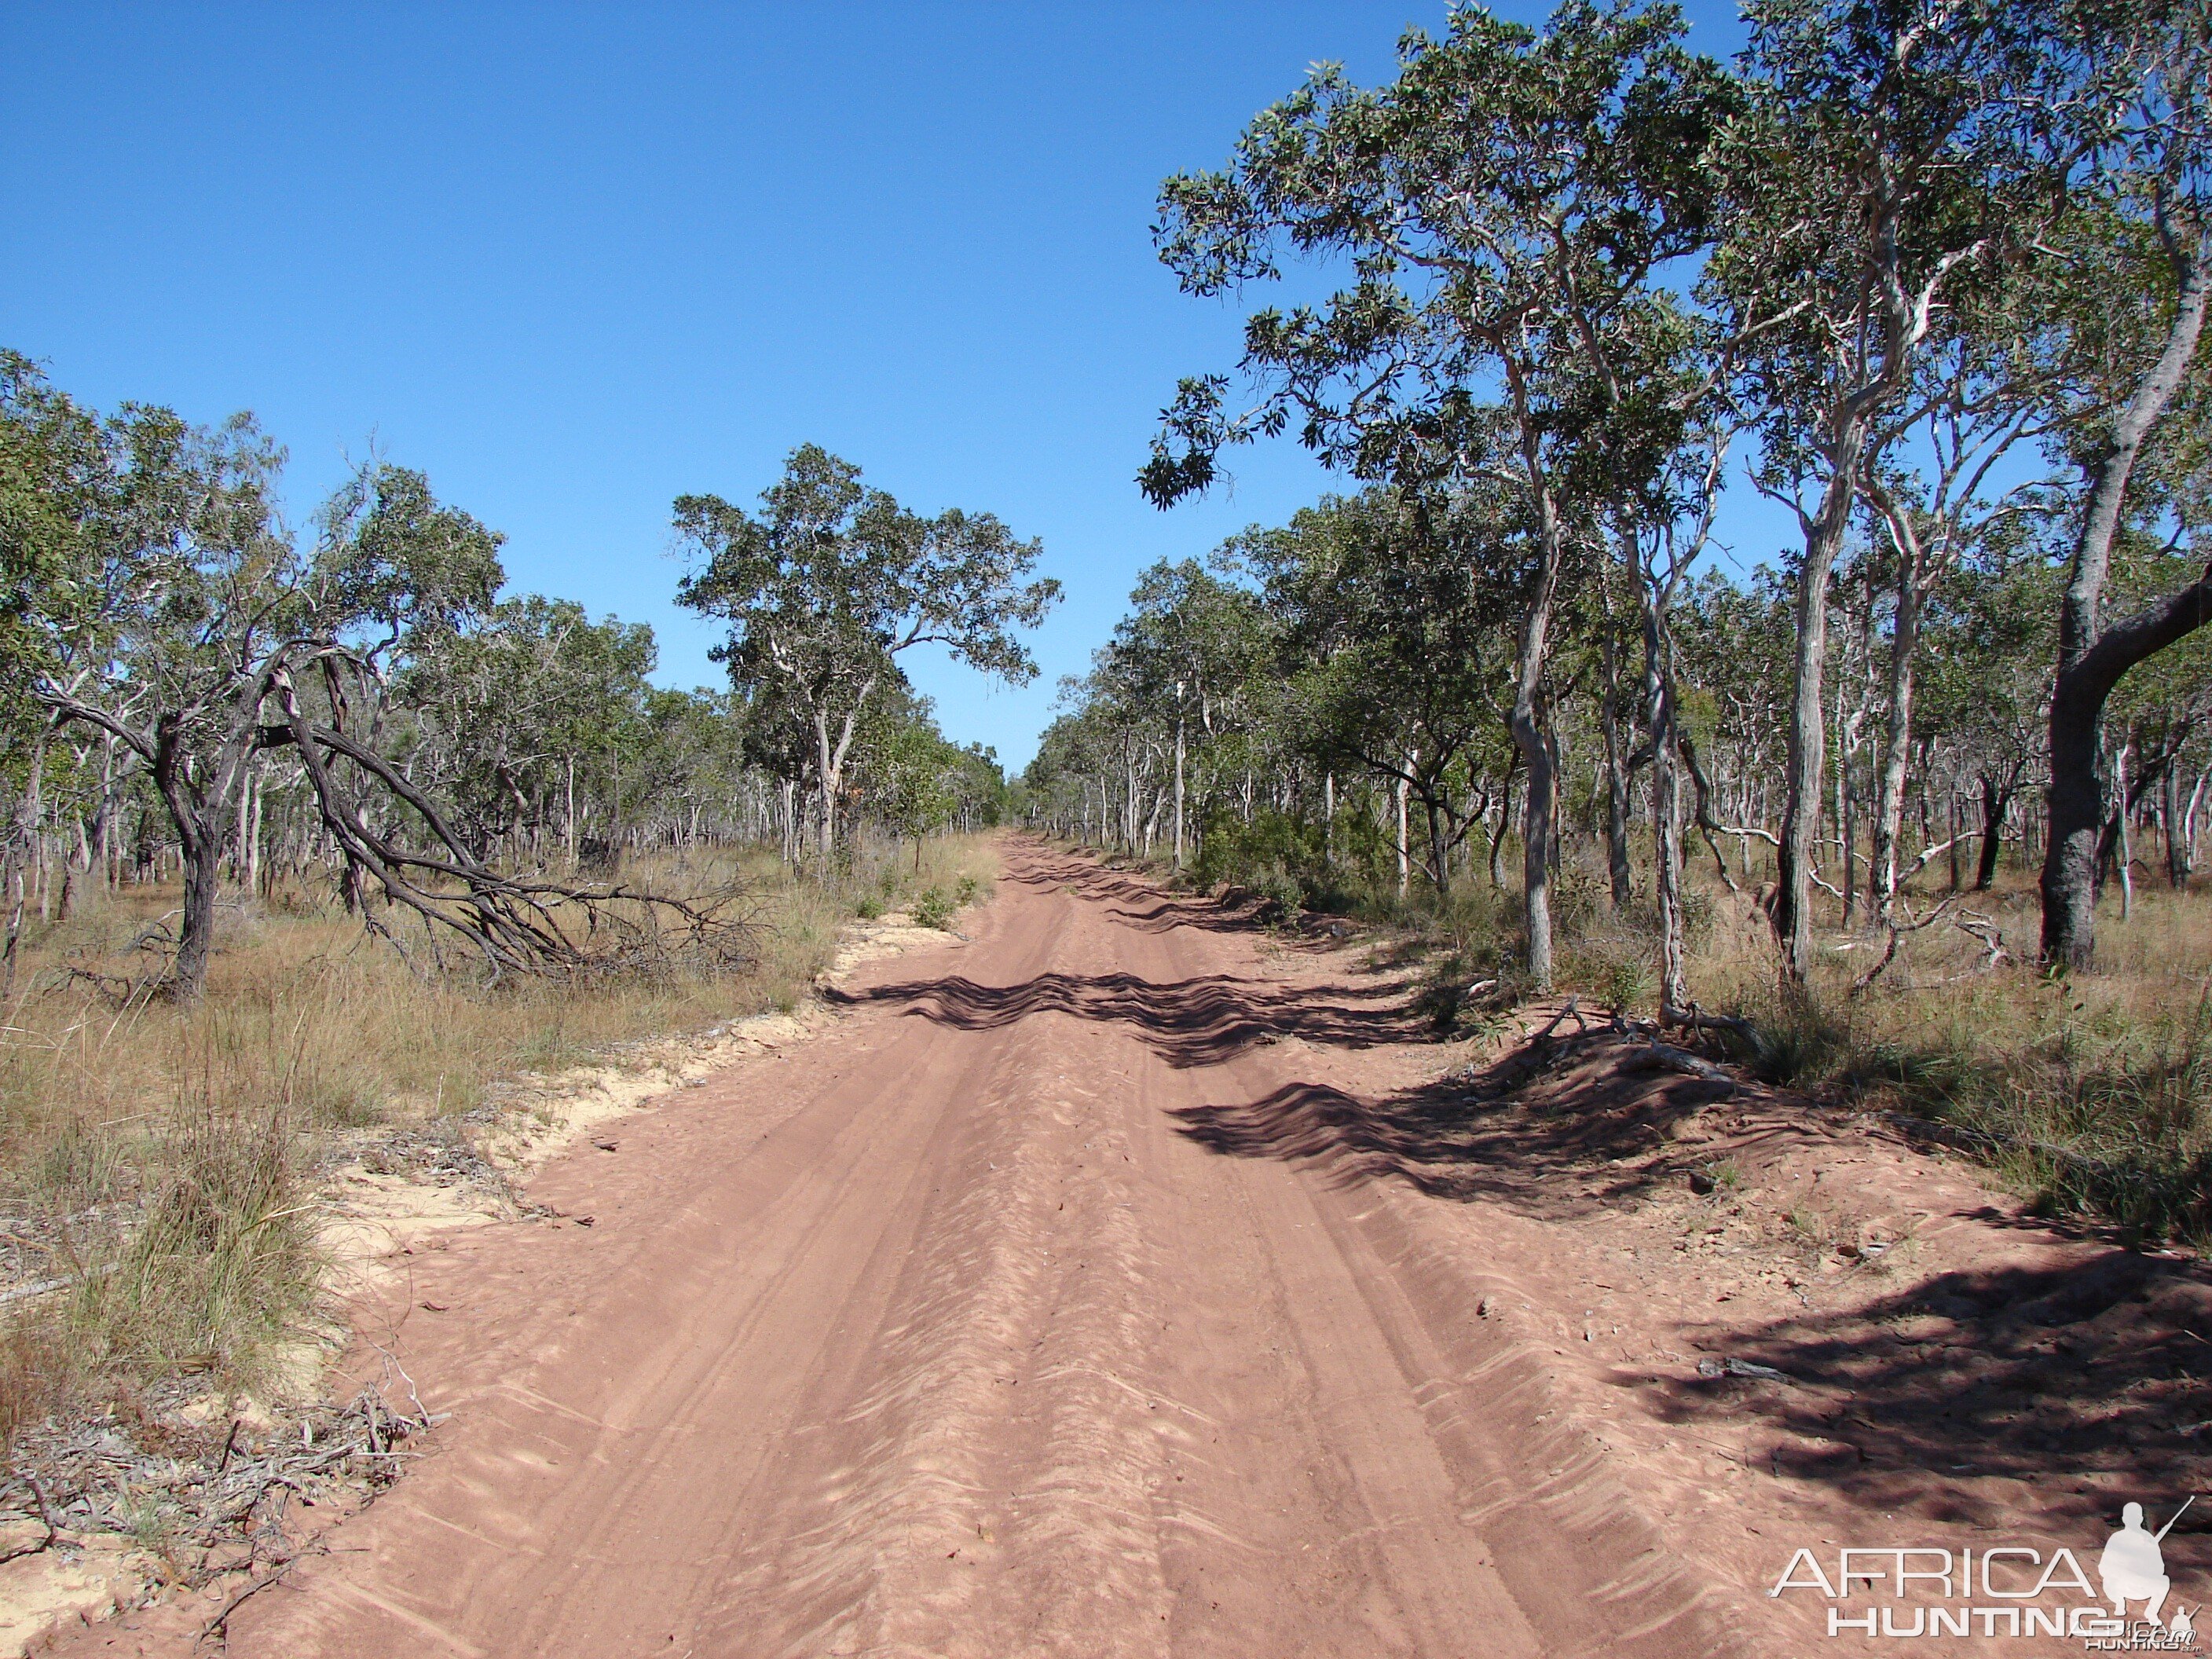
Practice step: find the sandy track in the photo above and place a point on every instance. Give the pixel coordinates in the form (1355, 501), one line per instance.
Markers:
(949, 1335)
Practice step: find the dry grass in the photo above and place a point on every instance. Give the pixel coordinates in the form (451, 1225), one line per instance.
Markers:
(2092, 1094)
(159, 1161)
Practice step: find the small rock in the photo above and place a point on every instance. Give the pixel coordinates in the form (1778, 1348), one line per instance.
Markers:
(1751, 1368)
(1734, 1367)
(1701, 1182)
(1812, 1460)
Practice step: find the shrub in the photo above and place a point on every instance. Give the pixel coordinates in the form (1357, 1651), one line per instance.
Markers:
(1269, 854)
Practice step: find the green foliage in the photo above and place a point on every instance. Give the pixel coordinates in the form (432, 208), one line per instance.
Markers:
(516, 714)
(1272, 854)
(828, 585)
(1503, 176)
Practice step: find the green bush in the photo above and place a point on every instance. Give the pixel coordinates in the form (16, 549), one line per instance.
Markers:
(933, 909)
(1272, 849)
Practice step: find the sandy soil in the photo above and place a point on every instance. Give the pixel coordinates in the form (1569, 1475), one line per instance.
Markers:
(1125, 1282)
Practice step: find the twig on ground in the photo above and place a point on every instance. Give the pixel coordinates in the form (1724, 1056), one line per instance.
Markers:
(218, 1626)
(46, 1515)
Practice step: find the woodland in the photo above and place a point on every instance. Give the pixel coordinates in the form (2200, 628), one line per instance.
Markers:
(1929, 278)
(312, 826)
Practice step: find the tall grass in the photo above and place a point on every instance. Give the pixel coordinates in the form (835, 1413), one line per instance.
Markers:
(2091, 1094)
(159, 1161)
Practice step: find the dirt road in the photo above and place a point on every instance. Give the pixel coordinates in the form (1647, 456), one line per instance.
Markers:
(958, 1334)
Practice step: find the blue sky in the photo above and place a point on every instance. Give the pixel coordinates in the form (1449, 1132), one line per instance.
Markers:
(574, 262)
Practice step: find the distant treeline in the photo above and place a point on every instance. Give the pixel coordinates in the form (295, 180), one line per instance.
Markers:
(188, 688)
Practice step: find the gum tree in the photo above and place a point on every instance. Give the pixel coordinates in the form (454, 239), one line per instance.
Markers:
(1496, 212)
(830, 582)
(2134, 333)
(182, 621)
(1894, 153)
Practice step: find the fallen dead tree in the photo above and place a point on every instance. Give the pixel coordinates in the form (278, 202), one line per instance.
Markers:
(514, 924)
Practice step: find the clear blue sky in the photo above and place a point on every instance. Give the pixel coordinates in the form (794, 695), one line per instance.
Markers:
(574, 262)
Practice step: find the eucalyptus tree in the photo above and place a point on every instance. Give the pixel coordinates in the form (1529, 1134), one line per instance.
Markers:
(166, 613)
(510, 710)
(914, 780)
(190, 627)
(829, 583)
(1931, 479)
(2154, 717)
(2141, 245)
(55, 478)
(1733, 647)
(1502, 206)
(1891, 155)
(1664, 529)
(1988, 633)
(1394, 638)
(1192, 645)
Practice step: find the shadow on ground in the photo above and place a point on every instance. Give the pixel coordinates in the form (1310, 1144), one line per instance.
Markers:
(1190, 1022)
(1143, 904)
(1550, 1151)
(2088, 1381)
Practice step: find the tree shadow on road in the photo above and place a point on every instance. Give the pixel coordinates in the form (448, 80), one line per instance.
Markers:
(1553, 1150)
(2086, 1380)
(1142, 903)
(1189, 1022)
(2089, 1379)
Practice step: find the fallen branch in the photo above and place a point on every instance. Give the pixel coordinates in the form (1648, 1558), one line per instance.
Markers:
(1669, 1058)
(1897, 930)
(1694, 1018)
(1985, 929)
(1573, 1007)
(46, 1515)
(1929, 854)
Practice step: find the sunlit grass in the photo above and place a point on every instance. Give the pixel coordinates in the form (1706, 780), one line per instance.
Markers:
(160, 1158)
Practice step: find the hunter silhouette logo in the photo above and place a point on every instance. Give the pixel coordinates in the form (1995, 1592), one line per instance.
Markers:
(2005, 1590)
(2134, 1566)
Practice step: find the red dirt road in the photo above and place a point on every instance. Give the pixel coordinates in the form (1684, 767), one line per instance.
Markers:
(949, 1334)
